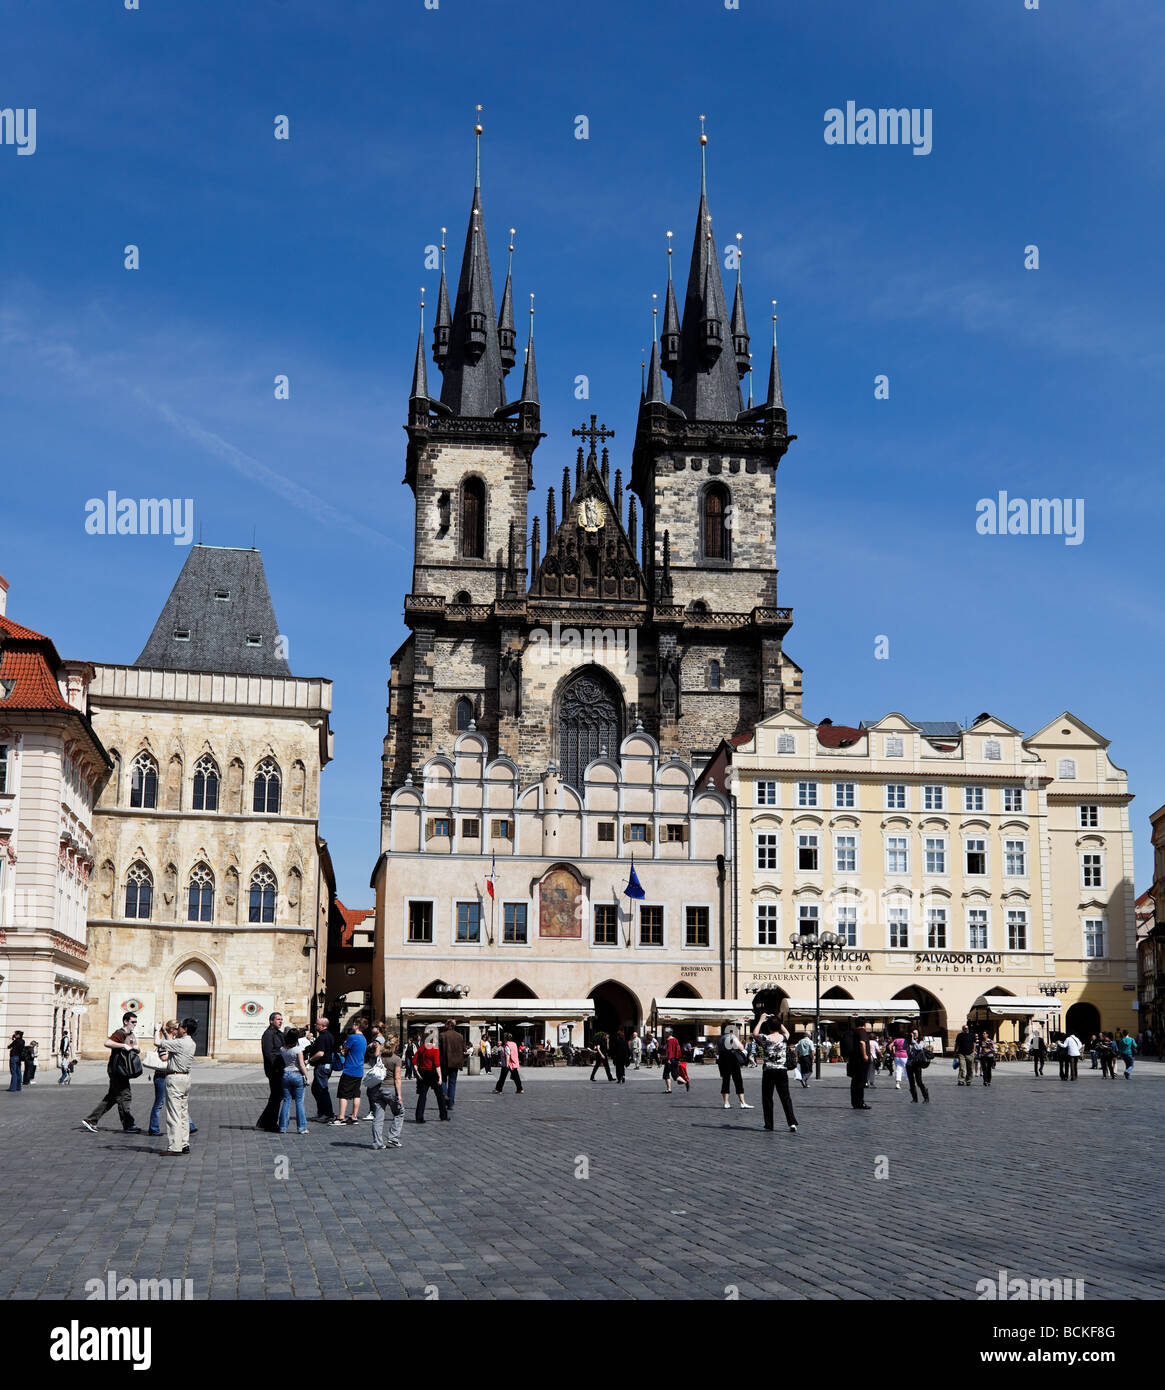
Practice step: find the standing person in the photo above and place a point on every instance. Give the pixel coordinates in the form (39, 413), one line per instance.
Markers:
(772, 1039)
(16, 1061)
(1126, 1045)
(452, 1049)
(63, 1051)
(636, 1049)
(600, 1052)
(650, 1047)
(323, 1052)
(621, 1055)
(900, 1053)
(354, 1046)
(917, 1060)
(271, 1042)
(1073, 1048)
(509, 1065)
(857, 1064)
(1039, 1052)
(388, 1095)
(987, 1057)
(729, 1056)
(161, 1082)
(410, 1054)
(875, 1048)
(1108, 1054)
(428, 1068)
(964, 1053)
(804, 1051)
(30, 1051)
(295, 1080)
(487, 1054)
(123, 1065)
(176, 1046)
(1093, 1051)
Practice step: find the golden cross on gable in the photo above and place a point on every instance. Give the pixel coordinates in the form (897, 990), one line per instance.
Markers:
(594, 432)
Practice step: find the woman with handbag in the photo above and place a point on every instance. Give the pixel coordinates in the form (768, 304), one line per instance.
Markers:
(728, 1061)
(773, 1039)
(384, 1082)
(917, 1060)
(294, 1080)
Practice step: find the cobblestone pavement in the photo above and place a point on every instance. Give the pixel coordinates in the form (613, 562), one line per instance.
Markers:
(679, 1198)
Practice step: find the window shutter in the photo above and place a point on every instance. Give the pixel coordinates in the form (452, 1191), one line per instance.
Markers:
(429, 828)
(684, 834)
(626, 831)
(649, 832)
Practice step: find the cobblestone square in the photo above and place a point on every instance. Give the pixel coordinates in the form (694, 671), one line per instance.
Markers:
(597, 1191)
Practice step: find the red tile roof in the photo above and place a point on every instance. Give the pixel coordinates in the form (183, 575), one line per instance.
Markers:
(838, 735)
(352, 916)
(28, 659)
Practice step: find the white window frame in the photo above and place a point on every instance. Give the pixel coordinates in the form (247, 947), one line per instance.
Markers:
(501, 937)
(1013, 801)
(763, 789)
(893, 801)
(1101, 931)
(642, 945)
(985, 924)
(453, 937)
(1021, 912)
(684, 943)
(1090, 821)
(838, 836)
(935, 916)
(844, 796)
(808, 912)
(941, 851)
(897, 916)
(775, 848)
(982, 840)
(934, 797)
(815, 836)
(809, 795)
(974, 799)
(842, 926)
(772, 914)
(1099, 867)
(904, 842)
(1021, 842)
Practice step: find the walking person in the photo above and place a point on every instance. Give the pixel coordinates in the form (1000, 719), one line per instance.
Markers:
(965, 1053)
(804, 1050)
(1061, 1050)
(1073, 1048)
(621, 1055)
(385, 1093)
(124, 1064)
(917, 1060)
(1126, 1046)
(650, 1048)
(600, 1052)
(295, 1080)
(636, 1049)
(176, 1046)
(353, 1048)
(772, 1040)
(1039, 1054)
(875, 1049)
(410, 1054)
(1107, 1051)
(857, 1064)
(452, 1048)
(987, 1057)
(729, 1056)
(16, 1061)
(323, 1054)
(63, 1058)
(271, 1042)
(428, 1068)
(899, 1050)
(508, 1065)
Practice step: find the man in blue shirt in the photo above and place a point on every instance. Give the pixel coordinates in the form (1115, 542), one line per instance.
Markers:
(354, 1046)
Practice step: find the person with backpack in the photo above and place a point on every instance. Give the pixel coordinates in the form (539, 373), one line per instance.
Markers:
(427, 1063)
(917, 1060)
(124, 1065)
(509, 1063)
(385, 1093)
(1126, 1046)
(804, 1051)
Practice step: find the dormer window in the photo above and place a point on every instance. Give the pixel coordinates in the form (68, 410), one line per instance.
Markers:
(254, 639)
(222, 595)
(181, 634)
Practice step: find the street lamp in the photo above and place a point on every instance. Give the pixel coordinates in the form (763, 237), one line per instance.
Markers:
(818, 943)
(1052, 989)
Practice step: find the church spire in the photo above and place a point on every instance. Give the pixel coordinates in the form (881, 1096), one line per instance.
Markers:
(775, 400)
(529, 395)
(473, 369)
(739, 325)
(506, 334)
(670, 342)
(707, 386)
(655, 394)
(443, 323)
(419, 395)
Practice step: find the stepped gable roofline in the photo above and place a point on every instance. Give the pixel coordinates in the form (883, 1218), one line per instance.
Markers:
(220, 601)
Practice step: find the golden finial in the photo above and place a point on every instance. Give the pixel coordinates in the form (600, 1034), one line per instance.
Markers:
(703, 136)
(477, 126)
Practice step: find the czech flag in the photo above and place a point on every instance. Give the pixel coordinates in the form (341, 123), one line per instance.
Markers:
(634, 888)
(489, 883)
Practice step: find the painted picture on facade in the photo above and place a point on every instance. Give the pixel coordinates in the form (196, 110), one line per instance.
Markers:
(559, 898)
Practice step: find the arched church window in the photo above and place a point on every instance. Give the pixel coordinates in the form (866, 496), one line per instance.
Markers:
(463, 596)
(473, 519)
(262, 905)
(713, 675)
(267, 788)
(139, 891)
(143, 787)
(201, 900)
(715, 522)
(206, 778)
(589, 723)
(464, 713)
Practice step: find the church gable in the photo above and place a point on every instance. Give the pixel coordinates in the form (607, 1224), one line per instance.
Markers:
(590, 556)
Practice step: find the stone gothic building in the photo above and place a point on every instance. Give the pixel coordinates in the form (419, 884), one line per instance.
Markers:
(649, 599)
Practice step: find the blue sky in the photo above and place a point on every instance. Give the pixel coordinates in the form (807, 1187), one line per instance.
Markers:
(305, 257)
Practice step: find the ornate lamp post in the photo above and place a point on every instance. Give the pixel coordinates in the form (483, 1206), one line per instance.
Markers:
(1052, 990)
(818, 943)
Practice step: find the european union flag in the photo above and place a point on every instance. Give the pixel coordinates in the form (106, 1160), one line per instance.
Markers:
(634, 888)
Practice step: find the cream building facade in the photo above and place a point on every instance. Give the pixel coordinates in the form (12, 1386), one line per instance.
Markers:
(52, 769)
(559, 926)
(958, 865)
(209, 898)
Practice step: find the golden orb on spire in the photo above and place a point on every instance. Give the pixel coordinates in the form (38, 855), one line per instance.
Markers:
(703, 137)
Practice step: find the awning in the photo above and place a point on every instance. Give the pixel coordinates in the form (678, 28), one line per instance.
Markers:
(1012, 1006)
(486, 1010)
(852, 1008)
(701, 1010)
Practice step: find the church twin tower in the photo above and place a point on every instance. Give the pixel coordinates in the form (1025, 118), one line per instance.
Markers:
(663, 612)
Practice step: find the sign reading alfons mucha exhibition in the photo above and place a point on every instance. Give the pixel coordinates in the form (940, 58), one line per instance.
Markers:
(850, 967)
(247, 1014)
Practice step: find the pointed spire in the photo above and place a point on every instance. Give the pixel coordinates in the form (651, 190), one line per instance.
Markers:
(473, 370)
(578, 471)
(739, 325)
(670, 342)
(535, 547)
(506, 334)
(443, 323)
(642, 376)
(632, 522)
(707, 386)
(775, 400)
(419, 394)
(551, 516)
(567, 494)
(618, 499)
(605, 470)
(530, 373)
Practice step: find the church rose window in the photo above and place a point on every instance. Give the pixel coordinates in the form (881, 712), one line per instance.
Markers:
(588, 726)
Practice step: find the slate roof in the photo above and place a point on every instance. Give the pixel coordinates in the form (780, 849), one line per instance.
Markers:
(219, 628)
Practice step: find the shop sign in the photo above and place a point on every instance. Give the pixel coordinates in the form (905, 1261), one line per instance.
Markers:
(959, 962)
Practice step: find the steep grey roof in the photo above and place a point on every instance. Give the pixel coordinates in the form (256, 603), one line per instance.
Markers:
(942, 728)
(706, 387)
(472, 376)
(218, 628)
